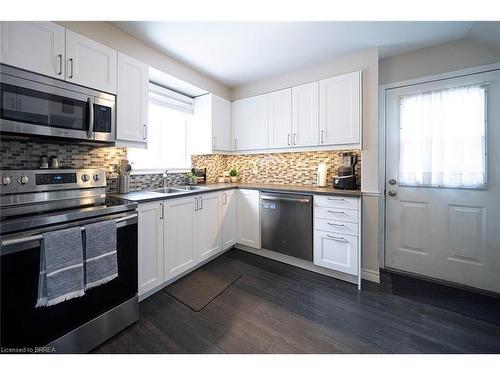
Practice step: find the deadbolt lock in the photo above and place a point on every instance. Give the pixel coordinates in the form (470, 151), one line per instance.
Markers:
(392, 181)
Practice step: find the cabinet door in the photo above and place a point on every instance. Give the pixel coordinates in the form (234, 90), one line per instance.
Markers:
(340, 109)
(132, 100)
(34, 46)
(221, 124)
(336, 251)
(150, 246)
(180, 236)
(280, 118)
(251, 122)
(89, 63)
(248, 218)
(209, 225)
(228, 219)
(305, 115)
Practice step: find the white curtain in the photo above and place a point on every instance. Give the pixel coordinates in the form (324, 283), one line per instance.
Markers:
(442, 138)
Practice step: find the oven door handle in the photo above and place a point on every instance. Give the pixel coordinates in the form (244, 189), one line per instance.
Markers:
(90, 132)
(39, 237)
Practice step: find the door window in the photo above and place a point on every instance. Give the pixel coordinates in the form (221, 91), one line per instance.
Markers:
(443, 138)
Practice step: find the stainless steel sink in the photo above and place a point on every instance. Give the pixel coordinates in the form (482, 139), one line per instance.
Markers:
(191, 187)
(169, 190)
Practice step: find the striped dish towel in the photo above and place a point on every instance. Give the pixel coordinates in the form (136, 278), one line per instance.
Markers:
(61, 267)
(101, 265)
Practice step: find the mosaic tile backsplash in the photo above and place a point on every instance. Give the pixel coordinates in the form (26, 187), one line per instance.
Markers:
(275, 168)
(25, 154)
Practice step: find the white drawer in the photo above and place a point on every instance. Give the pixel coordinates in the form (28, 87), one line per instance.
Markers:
(336, 201)
(337, 252)
(339, 214)
(336, 226)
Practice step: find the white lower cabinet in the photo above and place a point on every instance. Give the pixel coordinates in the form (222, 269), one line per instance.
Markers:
(180, 228)
(150, 260)
(209, 229)
(337, 224)
(336, 251)
(248, 218)
(228, 218)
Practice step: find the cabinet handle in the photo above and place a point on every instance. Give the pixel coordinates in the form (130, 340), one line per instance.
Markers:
(288, 140)
(340, 239)
(335, 224)
(196, 204)
(336, 212)
(295, 139)
(71, 68)
(235, 144)
(144, 132)
(201, 203)
(60, 64)
(225, 198)
(336, 199)
(162, 212)
(214, 142)
(322, 134)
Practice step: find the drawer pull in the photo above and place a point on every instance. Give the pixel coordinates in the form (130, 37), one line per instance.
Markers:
(336, 212)
(337, 225)
(340, 239)
(336, 199)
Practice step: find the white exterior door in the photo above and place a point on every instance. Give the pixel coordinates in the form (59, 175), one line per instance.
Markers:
(34, 46)
(150, 246)
(251, 122)
(280, 118)
(132, 100)
(228, 219)
(445, 233)
(180, 236)
(305, 109)
(209, 225)
(340, 109)
(89, 63)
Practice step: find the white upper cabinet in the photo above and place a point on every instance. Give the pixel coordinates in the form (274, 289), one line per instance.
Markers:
(89, 63)
(34, 46)
(251, 122)
(132, 101)
(221, 124)
(305, 115)
(340, 109)
(280, 118)
(211, 125)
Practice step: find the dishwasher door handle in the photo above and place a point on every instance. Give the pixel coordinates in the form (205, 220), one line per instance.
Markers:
(298, 200)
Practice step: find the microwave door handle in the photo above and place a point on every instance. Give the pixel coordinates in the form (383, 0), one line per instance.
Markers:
(90, 132)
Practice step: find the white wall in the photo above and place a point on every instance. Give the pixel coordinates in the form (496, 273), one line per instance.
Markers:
(115, 38)
(367, 61)
(444, 58)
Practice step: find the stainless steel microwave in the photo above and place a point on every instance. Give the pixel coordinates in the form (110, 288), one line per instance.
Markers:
(32, 104)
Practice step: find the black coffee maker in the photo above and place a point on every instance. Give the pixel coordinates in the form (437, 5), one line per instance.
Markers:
(346, 178)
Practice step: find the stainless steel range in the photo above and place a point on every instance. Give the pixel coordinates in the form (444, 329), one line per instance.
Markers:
(38, 201)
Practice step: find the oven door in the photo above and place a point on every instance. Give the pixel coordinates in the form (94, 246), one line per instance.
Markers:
(23, 325)
(30, 107)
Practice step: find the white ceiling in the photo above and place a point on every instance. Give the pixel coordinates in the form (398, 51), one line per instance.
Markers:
(237, 53)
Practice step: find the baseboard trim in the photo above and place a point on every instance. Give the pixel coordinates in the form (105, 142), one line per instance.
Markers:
(370, 275)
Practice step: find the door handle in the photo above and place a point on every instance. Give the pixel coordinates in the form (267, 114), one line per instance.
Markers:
(71, 68)
(392, 193)
(60, 64)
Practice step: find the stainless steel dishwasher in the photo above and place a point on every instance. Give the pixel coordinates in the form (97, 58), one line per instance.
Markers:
(286, 224)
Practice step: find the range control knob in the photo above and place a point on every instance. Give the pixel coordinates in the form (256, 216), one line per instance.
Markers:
(96, 177)
(6, 180)
(23, 180)
(85, 177)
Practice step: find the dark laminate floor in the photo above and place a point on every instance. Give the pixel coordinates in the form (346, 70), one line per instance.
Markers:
(276, 308)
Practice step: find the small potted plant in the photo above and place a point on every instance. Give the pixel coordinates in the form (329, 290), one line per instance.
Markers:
(191, 178)
(233, 173)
